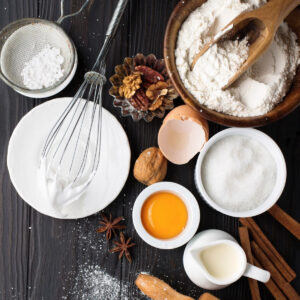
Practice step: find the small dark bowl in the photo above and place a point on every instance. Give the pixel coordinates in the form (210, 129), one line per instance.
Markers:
(289, 103)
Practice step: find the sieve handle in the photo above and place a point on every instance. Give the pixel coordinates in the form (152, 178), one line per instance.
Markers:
(63, 17)
(111, 31)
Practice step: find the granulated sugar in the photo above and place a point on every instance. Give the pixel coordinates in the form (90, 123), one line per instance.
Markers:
(260, 88)
(238, 173)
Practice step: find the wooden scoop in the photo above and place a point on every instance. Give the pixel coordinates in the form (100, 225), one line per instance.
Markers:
(259, 25)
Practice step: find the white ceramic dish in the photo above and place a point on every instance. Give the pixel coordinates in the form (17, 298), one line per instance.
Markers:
(24, 152)
(191, 205)
(273, 149)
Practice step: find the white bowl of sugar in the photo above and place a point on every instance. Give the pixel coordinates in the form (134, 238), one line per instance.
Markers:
(240, 172)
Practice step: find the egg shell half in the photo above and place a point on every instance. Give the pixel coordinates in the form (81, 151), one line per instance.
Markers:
(182, 134)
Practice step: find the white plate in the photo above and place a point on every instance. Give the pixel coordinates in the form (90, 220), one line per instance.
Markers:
(23, 159)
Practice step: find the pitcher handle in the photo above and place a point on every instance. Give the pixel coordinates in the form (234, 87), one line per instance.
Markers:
(257, 273)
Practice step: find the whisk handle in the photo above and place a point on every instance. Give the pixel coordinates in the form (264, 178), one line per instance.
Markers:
(116, 18)
(111, 31)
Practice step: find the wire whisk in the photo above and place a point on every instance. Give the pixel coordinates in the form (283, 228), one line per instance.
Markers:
(71, 153)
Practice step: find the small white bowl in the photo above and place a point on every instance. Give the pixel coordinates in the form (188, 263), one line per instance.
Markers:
(273, 149)
(193, 215)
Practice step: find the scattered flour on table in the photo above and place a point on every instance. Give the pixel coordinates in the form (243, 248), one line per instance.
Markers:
(87, 280)
(44, 69)
(260, 88)
(93, 283)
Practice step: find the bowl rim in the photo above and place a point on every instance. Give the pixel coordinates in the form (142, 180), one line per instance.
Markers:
(282, 109)
(193, 215)
(270, 145)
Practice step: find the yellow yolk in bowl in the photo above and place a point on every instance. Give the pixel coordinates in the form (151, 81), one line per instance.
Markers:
(164, 215)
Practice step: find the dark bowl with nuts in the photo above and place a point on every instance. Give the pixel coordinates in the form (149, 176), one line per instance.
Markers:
(141, 88)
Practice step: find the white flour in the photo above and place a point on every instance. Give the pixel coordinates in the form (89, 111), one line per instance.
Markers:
(260, 88)
(221, 62)
(44, 69)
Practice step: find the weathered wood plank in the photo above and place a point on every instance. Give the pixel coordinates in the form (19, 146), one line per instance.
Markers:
(14, 213)
(43, 262)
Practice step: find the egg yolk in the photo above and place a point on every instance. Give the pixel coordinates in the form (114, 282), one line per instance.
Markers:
(164, 215)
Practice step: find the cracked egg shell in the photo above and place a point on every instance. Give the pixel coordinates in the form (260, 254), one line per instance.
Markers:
(182, 134)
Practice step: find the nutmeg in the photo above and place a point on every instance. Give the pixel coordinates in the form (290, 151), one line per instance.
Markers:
(150, 167)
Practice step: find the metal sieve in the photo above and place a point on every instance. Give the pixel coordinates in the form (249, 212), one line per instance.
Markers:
(23, 39)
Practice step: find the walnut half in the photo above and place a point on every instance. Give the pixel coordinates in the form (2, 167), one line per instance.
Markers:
(131, 84)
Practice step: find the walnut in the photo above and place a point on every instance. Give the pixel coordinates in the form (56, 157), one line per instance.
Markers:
(156, 103)
(150, 167)
(156, 93)
(156, 90)
(130, 85)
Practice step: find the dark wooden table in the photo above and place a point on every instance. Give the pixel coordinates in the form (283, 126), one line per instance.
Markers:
(40, 256)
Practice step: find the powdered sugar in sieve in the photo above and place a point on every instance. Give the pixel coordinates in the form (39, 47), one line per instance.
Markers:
(26, 41)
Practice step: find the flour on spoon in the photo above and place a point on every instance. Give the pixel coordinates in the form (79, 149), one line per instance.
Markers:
(260, 88)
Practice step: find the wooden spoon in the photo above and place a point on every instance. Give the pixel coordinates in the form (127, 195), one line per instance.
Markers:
(259, 25)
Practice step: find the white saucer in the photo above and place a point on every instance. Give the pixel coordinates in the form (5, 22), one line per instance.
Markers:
(23, 160)
(193, 215)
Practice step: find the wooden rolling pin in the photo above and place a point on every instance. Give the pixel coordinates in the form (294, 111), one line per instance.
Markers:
(157, 289)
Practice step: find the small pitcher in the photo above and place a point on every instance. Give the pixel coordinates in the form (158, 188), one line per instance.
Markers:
(199, 272)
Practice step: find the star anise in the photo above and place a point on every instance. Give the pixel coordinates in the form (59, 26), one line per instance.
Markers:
(123, 247)
(110, 225)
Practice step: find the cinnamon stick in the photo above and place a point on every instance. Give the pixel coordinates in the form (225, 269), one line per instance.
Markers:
(265, 244)
(245, 241)
(285, 220)
(271, 285)
(288, 290)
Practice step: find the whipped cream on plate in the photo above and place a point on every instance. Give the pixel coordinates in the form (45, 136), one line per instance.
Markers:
(28, 177)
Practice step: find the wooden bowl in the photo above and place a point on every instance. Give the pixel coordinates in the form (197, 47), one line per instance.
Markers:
(289, 103)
